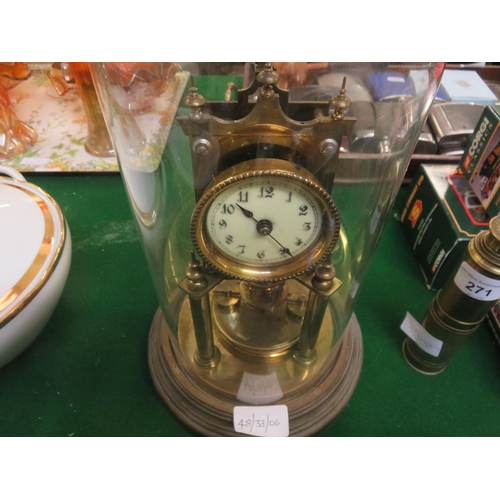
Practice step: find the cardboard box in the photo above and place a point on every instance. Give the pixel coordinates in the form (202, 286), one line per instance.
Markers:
(481, 160)
(439, 218)
(459, 85)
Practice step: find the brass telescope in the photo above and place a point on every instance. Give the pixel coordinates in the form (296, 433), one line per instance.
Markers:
(461, 305)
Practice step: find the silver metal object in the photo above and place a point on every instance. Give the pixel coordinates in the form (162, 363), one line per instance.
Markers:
(202, 147)
(328, 147)
(453, 123)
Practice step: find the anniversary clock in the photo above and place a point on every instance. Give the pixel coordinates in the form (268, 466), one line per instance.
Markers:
(259, 217)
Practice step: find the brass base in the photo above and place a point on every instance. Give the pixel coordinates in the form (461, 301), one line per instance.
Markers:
(418, 363)
(209, 417)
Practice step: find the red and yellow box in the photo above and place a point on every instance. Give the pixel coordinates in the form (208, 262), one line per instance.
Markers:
(439, 217)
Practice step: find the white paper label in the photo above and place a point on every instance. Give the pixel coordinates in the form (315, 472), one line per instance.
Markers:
(266, 421)
(431, 345)
(475, 285)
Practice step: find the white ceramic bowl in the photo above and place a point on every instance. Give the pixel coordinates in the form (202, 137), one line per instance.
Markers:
(35, 257)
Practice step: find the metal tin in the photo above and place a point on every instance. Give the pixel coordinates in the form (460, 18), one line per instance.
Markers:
(453, 123)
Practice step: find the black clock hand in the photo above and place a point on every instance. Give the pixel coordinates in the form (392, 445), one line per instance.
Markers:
(286, 250)
(246, 212)
(264, 227)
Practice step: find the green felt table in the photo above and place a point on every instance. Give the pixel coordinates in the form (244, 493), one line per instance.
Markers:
(87, 373)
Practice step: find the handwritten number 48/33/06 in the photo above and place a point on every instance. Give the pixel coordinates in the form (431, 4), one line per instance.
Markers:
(259, 423)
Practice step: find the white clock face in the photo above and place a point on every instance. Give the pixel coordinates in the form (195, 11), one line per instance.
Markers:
(264, 220)
(265, 225)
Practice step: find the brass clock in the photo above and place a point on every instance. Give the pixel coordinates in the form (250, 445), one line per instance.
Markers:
(257, 307)
(264, 221)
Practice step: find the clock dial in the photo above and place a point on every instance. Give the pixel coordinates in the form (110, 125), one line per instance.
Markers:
(264, 221)
(265, 225)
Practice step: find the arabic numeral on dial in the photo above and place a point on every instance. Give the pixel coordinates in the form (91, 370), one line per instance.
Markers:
(222, 224)
(241, 248)
(298, 242)
(289, 197)
(227, 209)
(266, 192)
(303, 209)
(243, 197)
(229, 239)
(306, 226)
(261, 254)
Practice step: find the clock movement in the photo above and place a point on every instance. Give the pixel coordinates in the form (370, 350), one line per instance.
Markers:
(258, 221)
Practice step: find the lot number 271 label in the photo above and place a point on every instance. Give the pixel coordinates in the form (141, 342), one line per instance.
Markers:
(476, 285)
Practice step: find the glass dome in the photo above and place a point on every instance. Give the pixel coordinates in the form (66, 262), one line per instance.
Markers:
(260, 191)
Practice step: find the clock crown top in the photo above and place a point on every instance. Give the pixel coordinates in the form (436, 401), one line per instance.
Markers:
(269, 78)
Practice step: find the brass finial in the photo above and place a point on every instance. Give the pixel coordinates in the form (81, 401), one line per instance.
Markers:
(195, 274)
(324, 276)
(268, 77)
(195, 101)
(340, 102)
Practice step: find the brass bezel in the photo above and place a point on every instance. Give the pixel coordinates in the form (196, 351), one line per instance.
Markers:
(265, 273)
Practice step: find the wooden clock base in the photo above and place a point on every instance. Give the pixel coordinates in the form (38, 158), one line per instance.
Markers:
(208, 416)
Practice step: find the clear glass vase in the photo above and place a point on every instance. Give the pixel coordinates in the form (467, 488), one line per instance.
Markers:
(260, 191)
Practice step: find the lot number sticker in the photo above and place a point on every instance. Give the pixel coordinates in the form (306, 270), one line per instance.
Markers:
(431, 345)
(270, 421)
(475, 285)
